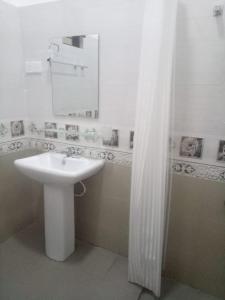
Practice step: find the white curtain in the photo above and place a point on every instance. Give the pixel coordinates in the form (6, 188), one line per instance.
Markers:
(150, 157)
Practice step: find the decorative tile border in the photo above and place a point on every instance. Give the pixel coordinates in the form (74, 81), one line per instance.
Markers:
(191, 147)
(53, 136)
(104, 143)
(193, 169)
(199, 170)
(12, 136)
(112, 156)
(11, 129)
(3, 130)
(14, 146)
(202, 149)
(99, 136)
(221, 151)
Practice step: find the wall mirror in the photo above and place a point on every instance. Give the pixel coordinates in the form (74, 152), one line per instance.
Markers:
(74, 68)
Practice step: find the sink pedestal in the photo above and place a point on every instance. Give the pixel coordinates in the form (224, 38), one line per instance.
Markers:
(58, 173)
(59, 221)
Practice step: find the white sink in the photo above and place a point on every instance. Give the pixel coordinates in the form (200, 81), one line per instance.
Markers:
(56, 168)
(58, 173)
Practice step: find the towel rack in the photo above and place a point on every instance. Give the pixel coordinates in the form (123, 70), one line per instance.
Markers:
(66, 63)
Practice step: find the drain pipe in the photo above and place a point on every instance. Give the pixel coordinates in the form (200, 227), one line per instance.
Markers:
(83, 192)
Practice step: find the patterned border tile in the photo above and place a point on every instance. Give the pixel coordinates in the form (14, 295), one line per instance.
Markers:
(3, 130)
(112, 156)
(17, 128)
(199, 170)
(180, 167)
(88, 142)
(98, 137)
(14, 146)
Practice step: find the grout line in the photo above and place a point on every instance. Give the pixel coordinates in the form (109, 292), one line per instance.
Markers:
(111, 266)
(140, 295)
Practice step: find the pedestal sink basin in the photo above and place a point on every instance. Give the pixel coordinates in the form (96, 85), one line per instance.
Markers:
(58, 173)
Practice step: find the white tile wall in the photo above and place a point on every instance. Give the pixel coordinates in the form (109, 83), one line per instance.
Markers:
(12, 101)
(200, 64)
(200, 75)
(118, 23)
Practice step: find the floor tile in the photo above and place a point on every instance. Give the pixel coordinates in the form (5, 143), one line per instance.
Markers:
(172, 290)
(116, 284)
(26, 273)
(94, 273)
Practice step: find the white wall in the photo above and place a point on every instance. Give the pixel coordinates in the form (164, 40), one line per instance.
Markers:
(200, 74)
(200, 63)
(69, 92)
(118, 23)
(12, 101)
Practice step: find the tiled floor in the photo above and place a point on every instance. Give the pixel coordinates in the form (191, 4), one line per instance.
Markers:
(91, 273)
(172, 290)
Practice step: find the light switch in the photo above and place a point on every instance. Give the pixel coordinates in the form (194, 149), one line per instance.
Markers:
(33, 67)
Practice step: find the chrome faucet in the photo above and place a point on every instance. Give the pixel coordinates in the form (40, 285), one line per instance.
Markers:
(68, 153)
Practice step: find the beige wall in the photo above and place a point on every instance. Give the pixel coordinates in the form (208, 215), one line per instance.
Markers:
(196, 245)
(103, 213)
(20, 198)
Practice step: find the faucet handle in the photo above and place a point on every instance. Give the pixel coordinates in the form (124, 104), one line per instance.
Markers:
(70, 151)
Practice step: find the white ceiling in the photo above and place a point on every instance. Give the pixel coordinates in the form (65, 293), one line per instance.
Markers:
(20, 3)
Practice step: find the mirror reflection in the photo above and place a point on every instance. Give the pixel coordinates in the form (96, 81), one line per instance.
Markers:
(74, 74)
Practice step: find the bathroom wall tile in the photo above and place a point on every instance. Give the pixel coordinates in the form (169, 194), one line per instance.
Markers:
(11, 74)
(209, 155)
(51, 130)
(97, 225)
(110, 137)
(198, 105)
(72, 132)
(50, 126)
(221, 151)
(196, 223)
(198, 170)
(88, 142)
(90, 136)
(13, 146)
(131, 139)
(124, 139)
(193, 9)
(118, 80)
(191, 147)
(17, 128)
(200, 63)
(109, 155)
(87, 136)
(51, 134)
(17, 205)
(13, 104)
(199, 90)
(35, 129)
(5, 131)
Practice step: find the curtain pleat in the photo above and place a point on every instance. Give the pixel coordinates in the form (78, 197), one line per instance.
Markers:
(150, 157)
